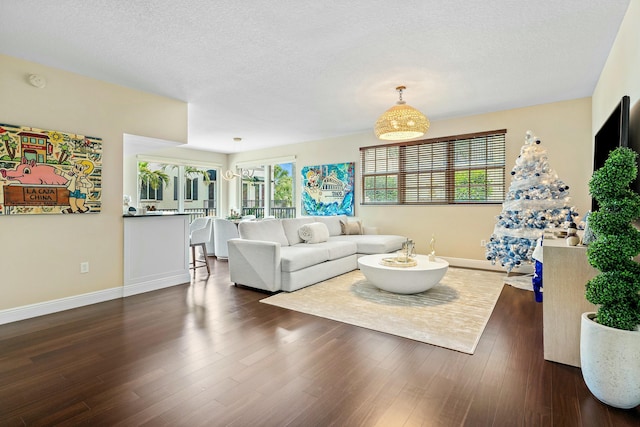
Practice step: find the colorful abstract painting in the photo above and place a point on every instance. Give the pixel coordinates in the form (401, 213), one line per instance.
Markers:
(328, 189)
(49, 172)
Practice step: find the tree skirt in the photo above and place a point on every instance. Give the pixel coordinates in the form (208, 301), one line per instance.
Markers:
(520, 281)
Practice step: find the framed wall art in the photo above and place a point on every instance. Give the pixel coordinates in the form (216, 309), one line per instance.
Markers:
(328, 189)
(49, 172)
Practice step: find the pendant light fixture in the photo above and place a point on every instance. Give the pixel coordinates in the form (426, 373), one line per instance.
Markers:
(229, 175)
(401, 122)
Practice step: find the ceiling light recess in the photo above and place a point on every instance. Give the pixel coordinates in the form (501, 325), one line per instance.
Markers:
(401, 122)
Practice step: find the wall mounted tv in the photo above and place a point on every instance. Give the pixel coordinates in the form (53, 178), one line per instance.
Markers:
(614, 133)
(634, 139)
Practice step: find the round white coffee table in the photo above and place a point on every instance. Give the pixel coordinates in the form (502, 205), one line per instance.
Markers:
(403, 280)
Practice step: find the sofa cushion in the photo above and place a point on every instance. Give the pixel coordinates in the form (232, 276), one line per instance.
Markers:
(269, 231)
(340, 249)
(351, 227)
(316, 232)
(291, 227)
(333, 223)
(373, 243)
(297, 257)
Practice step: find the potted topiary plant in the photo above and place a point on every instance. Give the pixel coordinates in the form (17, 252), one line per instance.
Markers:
(610, 339)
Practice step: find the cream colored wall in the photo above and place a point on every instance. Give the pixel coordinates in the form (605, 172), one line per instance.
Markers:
(620, 75)
(563, 127)
(41, 254)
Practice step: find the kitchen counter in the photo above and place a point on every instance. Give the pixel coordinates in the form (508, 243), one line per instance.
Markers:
(156, 252)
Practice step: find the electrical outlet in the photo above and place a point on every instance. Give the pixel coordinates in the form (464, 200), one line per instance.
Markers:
(483, 243)
(84, 267)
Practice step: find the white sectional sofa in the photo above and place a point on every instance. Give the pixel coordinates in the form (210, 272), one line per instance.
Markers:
(270, 254)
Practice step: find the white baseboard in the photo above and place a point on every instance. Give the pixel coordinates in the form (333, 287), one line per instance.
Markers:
(155, 284)
(54, 306)
(485, 265)
(48, 307)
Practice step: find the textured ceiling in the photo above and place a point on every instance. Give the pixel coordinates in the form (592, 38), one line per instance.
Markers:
(286, 71)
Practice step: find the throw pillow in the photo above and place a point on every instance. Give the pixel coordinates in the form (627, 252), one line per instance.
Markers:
(315, 232)
(351, 227)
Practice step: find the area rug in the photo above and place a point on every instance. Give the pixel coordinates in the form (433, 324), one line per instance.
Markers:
(452, 314)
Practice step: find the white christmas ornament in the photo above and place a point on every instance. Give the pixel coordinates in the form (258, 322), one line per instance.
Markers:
(536, 200)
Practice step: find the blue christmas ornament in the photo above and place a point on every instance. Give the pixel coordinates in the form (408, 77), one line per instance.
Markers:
(536, 200)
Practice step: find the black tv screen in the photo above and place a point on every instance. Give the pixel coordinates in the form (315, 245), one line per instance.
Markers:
(634, 138)
(614, 133)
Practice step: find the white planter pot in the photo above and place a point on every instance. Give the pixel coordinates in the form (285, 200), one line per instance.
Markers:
(610, 360)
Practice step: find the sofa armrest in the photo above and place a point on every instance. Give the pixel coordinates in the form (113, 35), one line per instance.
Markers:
(255, 263)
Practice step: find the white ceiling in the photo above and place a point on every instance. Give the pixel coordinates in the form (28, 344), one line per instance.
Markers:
(286, 71)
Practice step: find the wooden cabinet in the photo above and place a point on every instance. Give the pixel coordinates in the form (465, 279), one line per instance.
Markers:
(565, 273)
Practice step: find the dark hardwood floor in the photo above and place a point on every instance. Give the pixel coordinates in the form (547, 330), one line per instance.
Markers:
(209, 353)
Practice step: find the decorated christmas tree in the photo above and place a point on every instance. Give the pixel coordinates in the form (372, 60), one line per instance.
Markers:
(536, 200)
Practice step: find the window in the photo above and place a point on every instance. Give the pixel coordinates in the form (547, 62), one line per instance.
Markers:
(191, 189)
(152, 179)
(253, 191)
(268, 189)
(147, 192)
(281, 191)
(210, 201)
(194, 188)
(451, 170)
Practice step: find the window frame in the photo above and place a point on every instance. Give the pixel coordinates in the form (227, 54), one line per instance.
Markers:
(404, 173)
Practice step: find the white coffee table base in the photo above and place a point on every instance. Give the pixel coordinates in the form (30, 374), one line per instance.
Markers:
(403, 280)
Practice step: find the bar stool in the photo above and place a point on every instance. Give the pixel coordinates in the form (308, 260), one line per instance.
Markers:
(199, 235)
